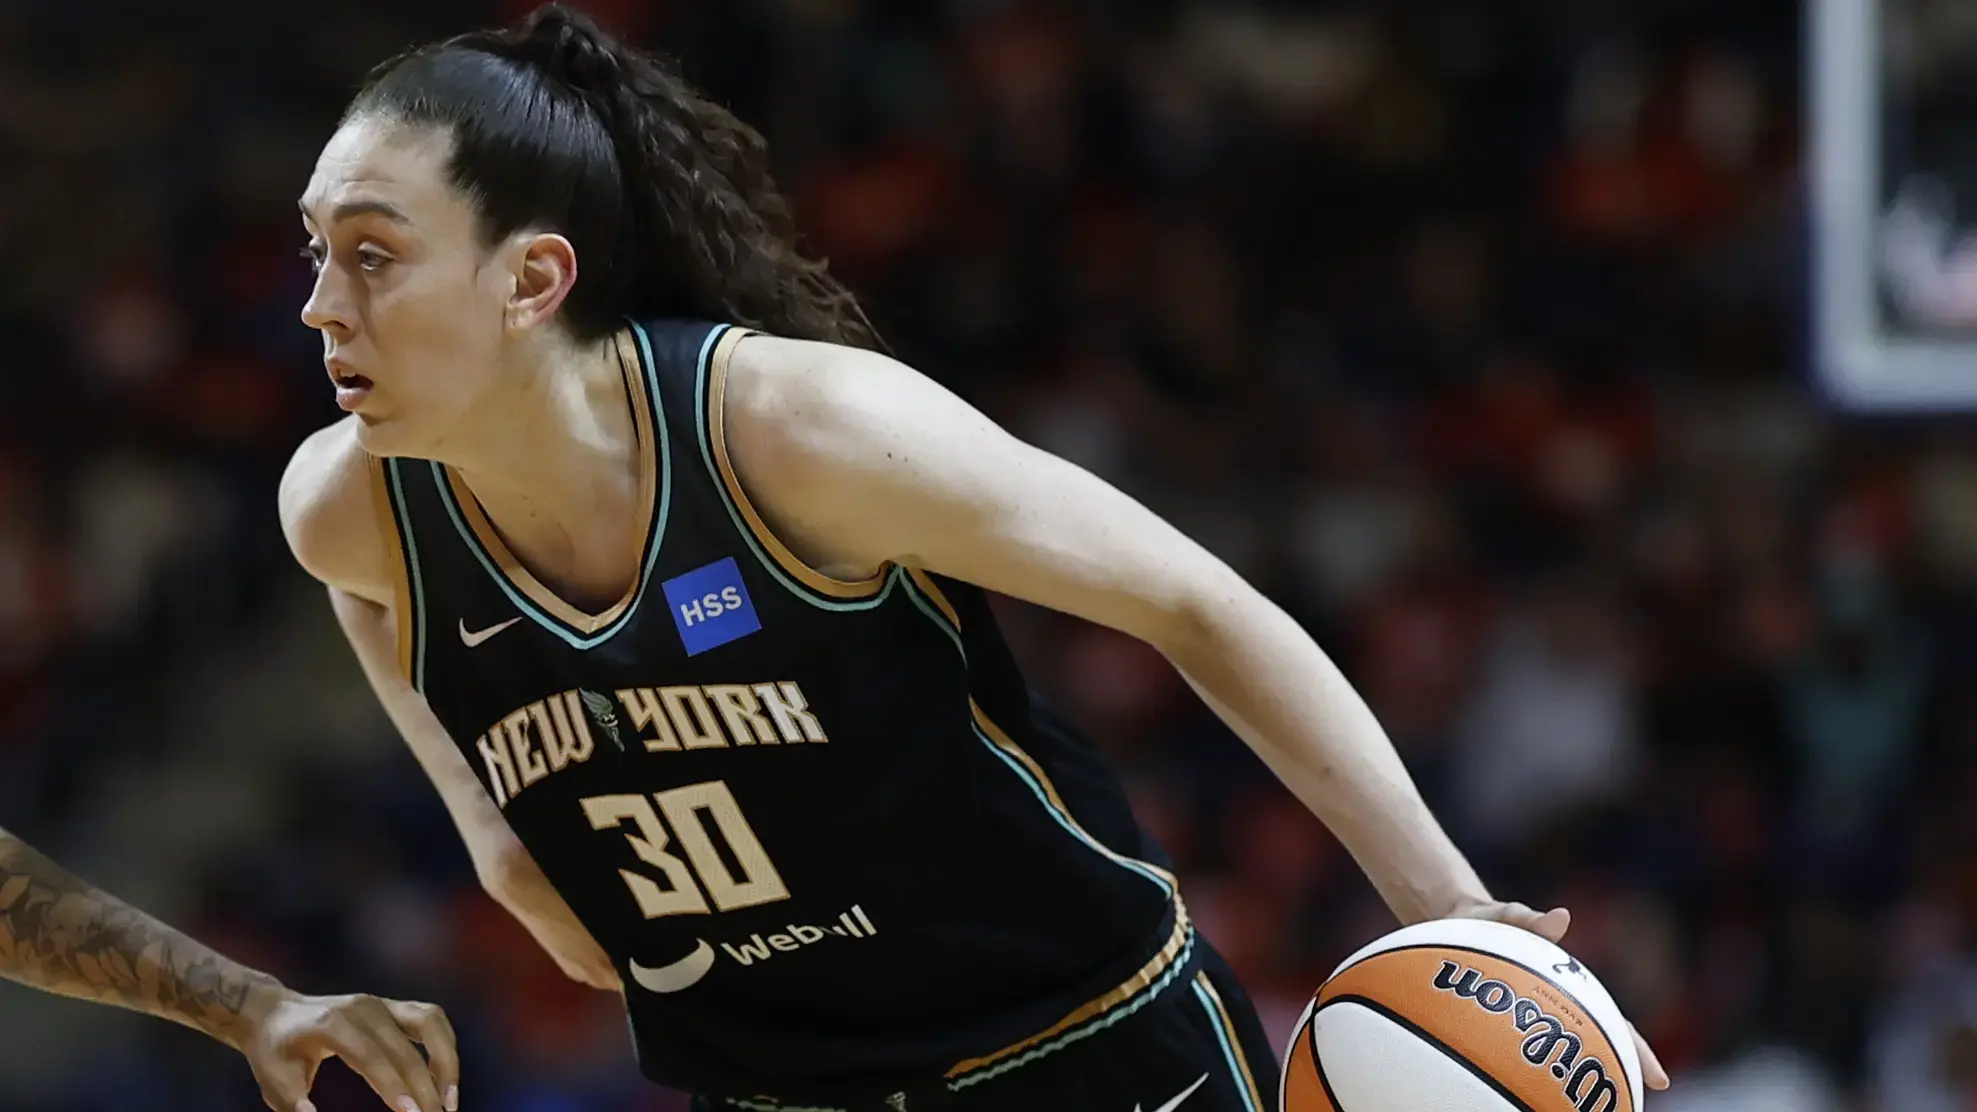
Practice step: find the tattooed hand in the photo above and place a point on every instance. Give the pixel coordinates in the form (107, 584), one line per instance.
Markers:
(59, 934)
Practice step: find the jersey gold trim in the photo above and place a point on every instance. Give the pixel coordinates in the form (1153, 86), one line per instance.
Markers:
(932, 590)
(1007, 744)
(1003, 742)
(1151, 977)
(1253, 1096)
(1147, 977)
(401, 579)
(648, 485)
(717, 382)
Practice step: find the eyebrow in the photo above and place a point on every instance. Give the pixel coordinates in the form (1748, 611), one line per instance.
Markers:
(348, 209)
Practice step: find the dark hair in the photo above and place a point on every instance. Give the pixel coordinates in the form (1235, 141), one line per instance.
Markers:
(665, 195)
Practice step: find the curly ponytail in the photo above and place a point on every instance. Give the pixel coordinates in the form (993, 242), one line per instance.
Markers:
(665, 195)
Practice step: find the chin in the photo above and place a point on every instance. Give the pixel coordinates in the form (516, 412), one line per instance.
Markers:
(382, 437)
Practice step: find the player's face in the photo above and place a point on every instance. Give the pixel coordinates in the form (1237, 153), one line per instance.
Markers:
(410, 311)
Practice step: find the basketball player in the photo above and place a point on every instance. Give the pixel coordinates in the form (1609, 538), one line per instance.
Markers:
(675, 585)
(61, 935)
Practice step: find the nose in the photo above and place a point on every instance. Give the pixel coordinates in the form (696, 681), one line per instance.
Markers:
(328, 308)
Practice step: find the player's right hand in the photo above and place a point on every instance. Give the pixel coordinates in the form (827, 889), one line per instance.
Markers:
(1552, 925)
(288, 1036)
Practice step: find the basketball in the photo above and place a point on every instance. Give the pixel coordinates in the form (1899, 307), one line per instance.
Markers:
(1461, 1015)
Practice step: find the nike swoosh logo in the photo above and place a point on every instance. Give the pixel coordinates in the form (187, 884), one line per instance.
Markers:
(472, 639)
(683, 974)
(1184, 1094)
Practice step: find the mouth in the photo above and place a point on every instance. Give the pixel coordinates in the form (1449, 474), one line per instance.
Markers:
(351, 388)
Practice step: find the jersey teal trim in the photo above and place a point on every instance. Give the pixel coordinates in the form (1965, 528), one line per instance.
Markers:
(663, 460)
(417, 579)
(939, 619)
(1146, 996)
(1064, 820)
(767, 561)
(1228, 1040)
(1071, 827)
(1160, 984)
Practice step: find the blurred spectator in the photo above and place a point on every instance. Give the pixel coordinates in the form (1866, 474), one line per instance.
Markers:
(1465, 331)
(1551, 731)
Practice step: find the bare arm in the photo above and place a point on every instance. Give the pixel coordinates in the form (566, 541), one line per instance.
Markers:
(490, 843)
(859, 461)
(333, 529)
(59, 934)
(504, 866)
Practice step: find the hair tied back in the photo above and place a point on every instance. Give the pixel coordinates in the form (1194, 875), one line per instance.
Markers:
(568, 47)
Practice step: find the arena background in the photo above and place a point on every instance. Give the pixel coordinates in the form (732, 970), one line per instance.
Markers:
(1514, 346)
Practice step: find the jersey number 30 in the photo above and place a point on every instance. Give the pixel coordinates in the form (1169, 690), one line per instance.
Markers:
(743, 879)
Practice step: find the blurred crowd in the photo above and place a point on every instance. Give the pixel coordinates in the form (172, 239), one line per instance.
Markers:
(1473, 333)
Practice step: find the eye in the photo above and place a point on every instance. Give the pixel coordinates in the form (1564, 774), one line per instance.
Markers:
(370, 258)
(314, 254)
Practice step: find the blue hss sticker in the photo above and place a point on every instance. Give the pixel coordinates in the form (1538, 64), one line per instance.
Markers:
(710, 606)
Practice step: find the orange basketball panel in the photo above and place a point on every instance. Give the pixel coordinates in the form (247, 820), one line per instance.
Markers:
(1531, 1039)
(1303, 1090)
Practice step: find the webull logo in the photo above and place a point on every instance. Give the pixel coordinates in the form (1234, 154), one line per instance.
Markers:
(851, 924)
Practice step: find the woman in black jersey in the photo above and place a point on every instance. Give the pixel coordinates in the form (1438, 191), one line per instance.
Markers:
(674, 584)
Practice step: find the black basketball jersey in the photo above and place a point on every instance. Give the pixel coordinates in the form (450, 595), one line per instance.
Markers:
(820, 827)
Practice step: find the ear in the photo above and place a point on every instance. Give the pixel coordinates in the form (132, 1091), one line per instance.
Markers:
(544, 276)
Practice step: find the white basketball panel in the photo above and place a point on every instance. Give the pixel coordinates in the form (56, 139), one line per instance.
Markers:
(1526, 949)
(1376, 1065)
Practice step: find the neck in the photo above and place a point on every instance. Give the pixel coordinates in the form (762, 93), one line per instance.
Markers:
(553, 460)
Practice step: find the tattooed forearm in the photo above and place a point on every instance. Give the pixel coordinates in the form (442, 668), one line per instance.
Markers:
(59, 934)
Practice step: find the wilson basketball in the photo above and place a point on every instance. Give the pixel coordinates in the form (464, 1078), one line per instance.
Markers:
(1461, 1015)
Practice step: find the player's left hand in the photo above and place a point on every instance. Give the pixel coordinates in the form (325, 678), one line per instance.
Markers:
(287, 1036)
(1551, 925)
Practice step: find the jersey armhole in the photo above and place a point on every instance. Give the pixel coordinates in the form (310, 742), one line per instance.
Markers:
(403, 604)
(717, 381)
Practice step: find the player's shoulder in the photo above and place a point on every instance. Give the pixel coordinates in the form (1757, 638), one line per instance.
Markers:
(792, 363)
(808, 388)
(792, 409)
(836, 446)
(328, 515)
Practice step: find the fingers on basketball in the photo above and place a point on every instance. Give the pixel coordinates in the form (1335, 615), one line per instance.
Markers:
(1456, 1017)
